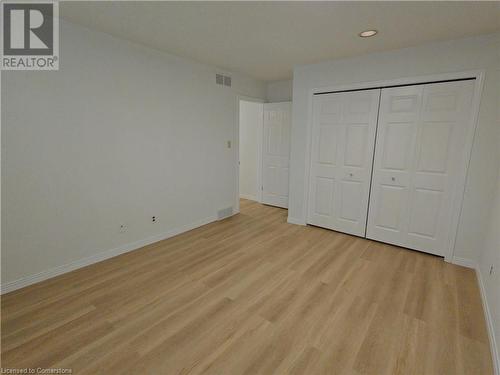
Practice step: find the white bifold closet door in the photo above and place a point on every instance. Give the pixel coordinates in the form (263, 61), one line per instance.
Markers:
(276, 153)
(419, 158)
(343, 139)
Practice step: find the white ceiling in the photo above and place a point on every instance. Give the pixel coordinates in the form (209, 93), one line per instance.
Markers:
(266, 39)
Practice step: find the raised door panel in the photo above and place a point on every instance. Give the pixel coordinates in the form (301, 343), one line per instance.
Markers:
(351, 198)
(323, 196)
(355, 145)
(387, 211)
(396, 145)
(327, 144)
(424, 212)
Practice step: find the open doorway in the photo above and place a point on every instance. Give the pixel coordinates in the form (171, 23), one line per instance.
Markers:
(264, 152)
(250, 142)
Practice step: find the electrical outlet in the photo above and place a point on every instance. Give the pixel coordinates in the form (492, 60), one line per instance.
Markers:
(228, 144)
(153, 219)
(123, 228)
(491, 269)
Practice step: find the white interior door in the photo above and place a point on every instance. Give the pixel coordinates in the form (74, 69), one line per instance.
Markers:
(418, 158)
(251, 118)
(344, 126)
(276, 153)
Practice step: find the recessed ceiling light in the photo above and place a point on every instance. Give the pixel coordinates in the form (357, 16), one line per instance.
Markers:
(368, 33)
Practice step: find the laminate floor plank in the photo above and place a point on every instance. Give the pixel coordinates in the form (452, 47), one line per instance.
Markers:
(252, 294)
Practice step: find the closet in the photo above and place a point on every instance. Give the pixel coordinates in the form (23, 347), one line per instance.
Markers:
(386, 163)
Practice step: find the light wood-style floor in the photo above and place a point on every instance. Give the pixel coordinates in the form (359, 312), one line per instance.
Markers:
(253, 295)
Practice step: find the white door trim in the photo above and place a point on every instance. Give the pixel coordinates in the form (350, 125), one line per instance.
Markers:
(478, 75)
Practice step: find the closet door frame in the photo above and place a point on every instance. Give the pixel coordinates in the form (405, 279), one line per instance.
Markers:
(478, 75)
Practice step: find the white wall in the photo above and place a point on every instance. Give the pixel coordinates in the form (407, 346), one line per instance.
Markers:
(120, 133)
(251, 117)
(279, 91)
(459, 55)
(490, 256)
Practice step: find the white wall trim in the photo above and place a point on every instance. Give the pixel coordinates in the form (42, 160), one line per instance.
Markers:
(476, 101)
(59, 270)
(464, 262)
(260, 156)
(489, 324)
(250, 197)
(487, 313)
(295, 221)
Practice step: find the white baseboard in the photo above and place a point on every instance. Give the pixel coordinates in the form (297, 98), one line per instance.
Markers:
(489, 323)
(59, 270)
(487, 313)
(292, 220)
(464, 262)
(249, 197)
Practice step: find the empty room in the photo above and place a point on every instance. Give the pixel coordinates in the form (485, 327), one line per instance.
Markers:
(269, 187)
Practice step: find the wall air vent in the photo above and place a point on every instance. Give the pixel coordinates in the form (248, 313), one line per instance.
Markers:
(222, 80)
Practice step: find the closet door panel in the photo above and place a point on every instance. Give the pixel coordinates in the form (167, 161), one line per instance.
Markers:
(396, 132)
(327, 113)
(418, 157)
(342, 152)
